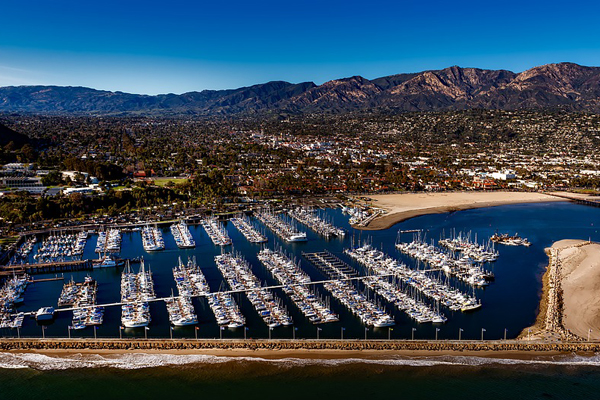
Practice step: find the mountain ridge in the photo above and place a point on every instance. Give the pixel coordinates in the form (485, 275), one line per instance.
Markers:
(566, 86)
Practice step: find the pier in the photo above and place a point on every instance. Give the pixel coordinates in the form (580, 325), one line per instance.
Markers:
(330, 264)
(280, 227)
(366, 310)
(287, 271)
(579, 199)
(250, 233)
(44, 268)
(317, 224)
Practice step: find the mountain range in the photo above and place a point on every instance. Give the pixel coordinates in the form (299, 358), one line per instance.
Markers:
(565, 86)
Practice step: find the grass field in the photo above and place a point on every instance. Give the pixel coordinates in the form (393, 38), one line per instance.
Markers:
(163, 181)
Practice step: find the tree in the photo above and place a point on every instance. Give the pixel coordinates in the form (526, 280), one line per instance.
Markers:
(53, 178)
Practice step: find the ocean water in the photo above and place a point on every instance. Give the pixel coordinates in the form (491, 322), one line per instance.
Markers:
(32, 376)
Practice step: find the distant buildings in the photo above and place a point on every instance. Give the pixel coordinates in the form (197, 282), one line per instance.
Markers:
(21, 183)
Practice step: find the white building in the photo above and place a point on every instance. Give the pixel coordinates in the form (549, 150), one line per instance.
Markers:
(503, 176)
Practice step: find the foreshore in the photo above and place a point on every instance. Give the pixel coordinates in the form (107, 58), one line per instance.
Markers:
(570, 307)
(400, 207)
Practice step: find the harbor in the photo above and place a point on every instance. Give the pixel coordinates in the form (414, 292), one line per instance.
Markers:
(244, 225)
(216, 232)
(284, 229)
(239, 275)
(294, 280)
(311, 219)
(152, 239)
(365, 302)
(183, 237)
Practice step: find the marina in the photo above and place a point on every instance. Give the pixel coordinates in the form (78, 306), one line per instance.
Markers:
(250, 232)
(239, 276)
(152, 239)
(182, 235)
(215, 230)
(463, 268)
(292, 277)
(61, 247)
(311, 219)
(367, 311)
(496, 306)
(281, 228)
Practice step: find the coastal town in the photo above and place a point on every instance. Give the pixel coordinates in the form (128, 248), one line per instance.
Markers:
(317, 198)
(119, 176)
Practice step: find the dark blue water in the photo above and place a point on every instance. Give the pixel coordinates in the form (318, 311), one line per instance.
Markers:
(508, 303)
(179, 376)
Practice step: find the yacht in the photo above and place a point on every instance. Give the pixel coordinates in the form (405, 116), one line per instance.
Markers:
(44, 314)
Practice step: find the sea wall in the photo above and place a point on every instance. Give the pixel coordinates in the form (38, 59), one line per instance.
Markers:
(350, 345)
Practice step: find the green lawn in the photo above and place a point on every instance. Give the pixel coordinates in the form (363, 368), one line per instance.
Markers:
(163, 181)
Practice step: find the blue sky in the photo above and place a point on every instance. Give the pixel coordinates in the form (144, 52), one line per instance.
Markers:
(177, 46)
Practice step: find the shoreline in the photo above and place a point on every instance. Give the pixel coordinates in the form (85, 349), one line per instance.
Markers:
(568, 308)
(401, 207)
(304, 354)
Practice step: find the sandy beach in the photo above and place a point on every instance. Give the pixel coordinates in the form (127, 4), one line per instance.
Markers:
(570, 306)
(580, 270)
(401, 207)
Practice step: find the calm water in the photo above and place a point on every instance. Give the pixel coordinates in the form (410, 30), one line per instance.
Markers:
(508, 303)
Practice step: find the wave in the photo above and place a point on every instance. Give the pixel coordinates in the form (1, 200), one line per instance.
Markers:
(143, 360)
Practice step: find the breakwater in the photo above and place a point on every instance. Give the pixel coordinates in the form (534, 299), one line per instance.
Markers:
(263, 344)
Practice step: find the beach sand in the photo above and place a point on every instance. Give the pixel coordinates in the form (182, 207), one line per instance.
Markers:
(403, 206)
(580, 270)
(570, 305)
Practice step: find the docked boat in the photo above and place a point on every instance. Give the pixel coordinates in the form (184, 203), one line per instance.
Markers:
(236, 271)
(181, 311)
(106, 262)
(136, 291)
(45, 314)
(319, 225)
(294, 282)
(216, 232)
(182, 235)
(152, 239)
(250, 232)
(283, 229)
(508, 240)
